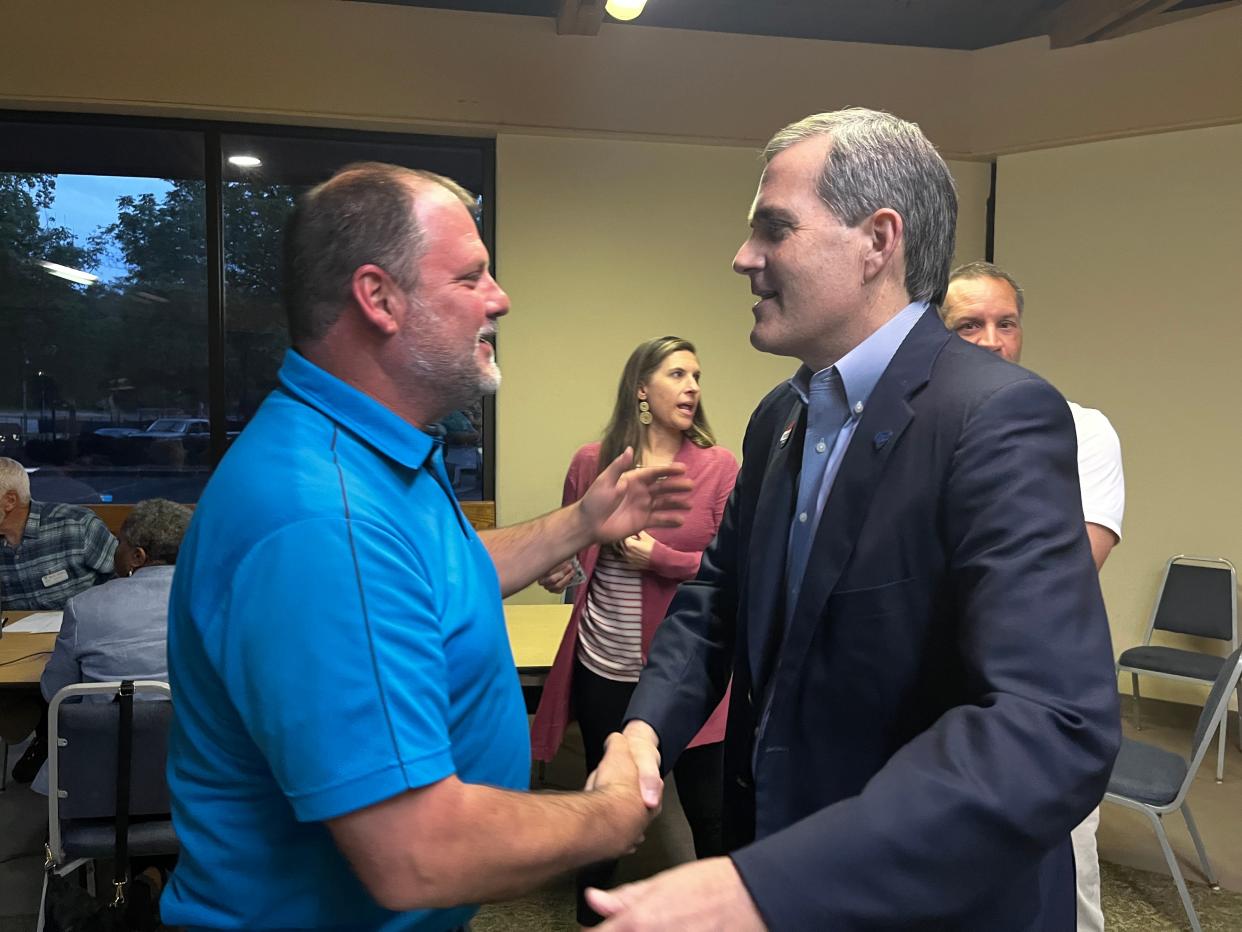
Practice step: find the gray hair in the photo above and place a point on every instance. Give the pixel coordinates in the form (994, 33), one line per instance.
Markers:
(14, 478)
(157, 526)
(877, 160)
(981, 269)
(362, 214)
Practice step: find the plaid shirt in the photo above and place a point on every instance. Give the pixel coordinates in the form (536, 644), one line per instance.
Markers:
(65, 549)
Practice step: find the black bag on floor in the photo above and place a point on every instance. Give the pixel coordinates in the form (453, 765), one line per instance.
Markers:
(67, 907)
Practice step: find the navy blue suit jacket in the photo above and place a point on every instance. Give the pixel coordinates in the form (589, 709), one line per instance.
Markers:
(912, 750)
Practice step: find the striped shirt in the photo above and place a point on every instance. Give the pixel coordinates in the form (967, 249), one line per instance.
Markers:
(64, 550)
(610, 634)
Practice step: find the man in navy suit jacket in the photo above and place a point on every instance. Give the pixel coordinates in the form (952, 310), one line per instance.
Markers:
(902, 591)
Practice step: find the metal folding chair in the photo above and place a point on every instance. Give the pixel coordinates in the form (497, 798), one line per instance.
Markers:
(1155, 781)
(1198, 597)
(82, 776)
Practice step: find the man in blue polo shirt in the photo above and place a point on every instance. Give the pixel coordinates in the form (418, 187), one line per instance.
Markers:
(349, 733)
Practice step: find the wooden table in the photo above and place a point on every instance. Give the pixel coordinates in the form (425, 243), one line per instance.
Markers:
(18, 673)
(535, 633)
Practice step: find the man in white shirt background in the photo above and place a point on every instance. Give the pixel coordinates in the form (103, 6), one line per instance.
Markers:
(984, 306)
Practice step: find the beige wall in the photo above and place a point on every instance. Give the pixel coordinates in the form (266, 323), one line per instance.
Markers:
(603, 244)
(593, 268)
(1026, 95)
(402, 68)
(1129, 251)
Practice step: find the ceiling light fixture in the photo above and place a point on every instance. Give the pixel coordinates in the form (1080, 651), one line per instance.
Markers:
(624, 9)
(245, 161)
(77, 276)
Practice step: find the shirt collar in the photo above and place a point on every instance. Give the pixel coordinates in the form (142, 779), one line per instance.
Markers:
(34, 520)
(355, 411)
(860, 369)
(158, 569)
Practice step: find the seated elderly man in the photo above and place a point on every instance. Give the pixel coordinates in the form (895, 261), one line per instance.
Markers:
(48, 552)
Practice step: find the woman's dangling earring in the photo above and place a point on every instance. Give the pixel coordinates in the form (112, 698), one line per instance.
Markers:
(644, 413)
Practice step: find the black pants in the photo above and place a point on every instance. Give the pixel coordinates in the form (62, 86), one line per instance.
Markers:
(600, 704)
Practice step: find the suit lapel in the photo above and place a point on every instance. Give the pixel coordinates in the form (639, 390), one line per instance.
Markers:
(769, 538)
(878, 434)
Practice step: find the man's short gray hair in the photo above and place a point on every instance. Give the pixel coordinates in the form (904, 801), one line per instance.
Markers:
(982, 269)
(14, 478)
(157, 526)
(877, 160)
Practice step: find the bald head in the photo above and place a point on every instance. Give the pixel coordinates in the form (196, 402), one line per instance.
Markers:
(364, 214)
(14, 479)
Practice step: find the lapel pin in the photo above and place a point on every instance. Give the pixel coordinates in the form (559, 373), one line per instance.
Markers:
(882, 438)
(785, 436)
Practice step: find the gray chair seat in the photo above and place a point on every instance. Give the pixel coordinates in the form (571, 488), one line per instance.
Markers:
(95, 838)
(1171, 661)
(1147, 773)
(1155, 781)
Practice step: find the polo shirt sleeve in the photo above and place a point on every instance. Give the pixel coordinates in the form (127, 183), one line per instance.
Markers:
(1100, 473)
(333, 656)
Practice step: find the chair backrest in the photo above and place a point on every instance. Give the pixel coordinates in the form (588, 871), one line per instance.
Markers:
(1217, 705)
(1198, 600)
(82, 765)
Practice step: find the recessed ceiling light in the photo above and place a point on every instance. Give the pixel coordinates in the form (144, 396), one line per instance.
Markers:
(624, 9)
(245, 161)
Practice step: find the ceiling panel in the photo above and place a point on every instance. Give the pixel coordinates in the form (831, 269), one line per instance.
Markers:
(949, 24)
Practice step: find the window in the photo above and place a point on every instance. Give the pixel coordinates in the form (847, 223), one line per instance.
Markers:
(134, 351)
(103, 308)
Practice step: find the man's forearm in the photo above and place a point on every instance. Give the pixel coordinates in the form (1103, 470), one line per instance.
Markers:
(522, 840)
(457, 843)
(524, 552)
(1102, 542)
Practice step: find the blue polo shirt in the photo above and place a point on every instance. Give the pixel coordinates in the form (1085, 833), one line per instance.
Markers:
(335, 637)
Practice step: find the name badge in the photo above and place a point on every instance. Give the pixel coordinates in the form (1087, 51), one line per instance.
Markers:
(52, 579)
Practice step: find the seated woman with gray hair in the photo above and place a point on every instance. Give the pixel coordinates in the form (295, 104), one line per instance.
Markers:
(119, 630)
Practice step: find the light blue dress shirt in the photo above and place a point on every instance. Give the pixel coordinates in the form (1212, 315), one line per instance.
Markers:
(835, 398)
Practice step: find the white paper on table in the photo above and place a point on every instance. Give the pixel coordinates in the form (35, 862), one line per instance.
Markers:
(38, 623)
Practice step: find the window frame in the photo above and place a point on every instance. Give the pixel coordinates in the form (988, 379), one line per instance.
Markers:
(213, 133)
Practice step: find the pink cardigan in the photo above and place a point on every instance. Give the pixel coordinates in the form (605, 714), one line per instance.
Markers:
(675, 557)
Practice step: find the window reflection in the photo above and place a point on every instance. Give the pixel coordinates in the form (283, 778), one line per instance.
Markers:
(103, 310)
(263, 176)
(104, 315)
(461, 432)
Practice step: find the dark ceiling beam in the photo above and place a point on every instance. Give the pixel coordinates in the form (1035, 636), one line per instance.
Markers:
(1075, 22)
(1172, 16)
(579, 17)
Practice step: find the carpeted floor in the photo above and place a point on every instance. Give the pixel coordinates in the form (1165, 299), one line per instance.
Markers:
(1139, 901)
(1138, 897)
(1134, 901)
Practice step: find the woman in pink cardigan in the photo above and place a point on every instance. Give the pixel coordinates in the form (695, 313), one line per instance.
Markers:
(628, 585)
